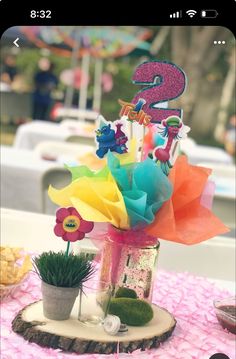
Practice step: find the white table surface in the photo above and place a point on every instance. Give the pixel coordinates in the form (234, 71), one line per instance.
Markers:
(199, 153)
(34, 232)
(30, 134)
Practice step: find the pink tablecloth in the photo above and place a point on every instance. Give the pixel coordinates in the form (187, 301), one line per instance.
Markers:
(197, 334)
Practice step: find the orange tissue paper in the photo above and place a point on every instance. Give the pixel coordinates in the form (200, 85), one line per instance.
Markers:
(183, 218)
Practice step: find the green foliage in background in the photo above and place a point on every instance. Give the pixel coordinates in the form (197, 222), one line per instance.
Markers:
(122, 89)
(121, 70)
(27, 64)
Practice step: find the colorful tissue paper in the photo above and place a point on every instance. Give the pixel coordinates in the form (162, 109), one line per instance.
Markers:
(143, 186)
(96, 196)
(184, 218)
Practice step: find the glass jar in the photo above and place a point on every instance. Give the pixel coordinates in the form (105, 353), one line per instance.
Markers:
(94, 301)
(129, 259)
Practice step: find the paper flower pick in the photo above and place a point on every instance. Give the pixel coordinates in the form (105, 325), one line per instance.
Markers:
(70, 226)
(109, 139)
(173, 130)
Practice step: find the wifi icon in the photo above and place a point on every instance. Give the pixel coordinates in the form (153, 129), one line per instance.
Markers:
(191, 13)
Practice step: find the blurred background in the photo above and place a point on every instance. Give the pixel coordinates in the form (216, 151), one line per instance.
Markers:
(83, 56)
(54, 85)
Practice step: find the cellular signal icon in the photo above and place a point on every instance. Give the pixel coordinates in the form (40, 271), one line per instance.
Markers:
(191, 13)
(176, 15)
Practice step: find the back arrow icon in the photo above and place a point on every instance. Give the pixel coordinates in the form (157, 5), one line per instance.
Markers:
(15, 42)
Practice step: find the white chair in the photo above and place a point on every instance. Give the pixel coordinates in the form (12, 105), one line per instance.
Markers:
(58, 178)
(81, 131)
(82, 140)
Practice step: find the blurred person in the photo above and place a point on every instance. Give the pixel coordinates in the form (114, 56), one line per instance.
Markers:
(5, 83)
(8, 73)
(9, 68)
(230, 136)
(45, 82)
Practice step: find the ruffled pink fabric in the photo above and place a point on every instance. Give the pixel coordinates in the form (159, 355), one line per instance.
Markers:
(198, 335)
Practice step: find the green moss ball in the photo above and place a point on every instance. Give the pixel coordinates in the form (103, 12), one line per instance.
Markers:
(134, 312)
(124, 292)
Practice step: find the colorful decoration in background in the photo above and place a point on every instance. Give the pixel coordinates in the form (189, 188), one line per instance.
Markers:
(70, 226)
(107, 82)
(98, 41)
(173, 130)
(74, 77)
(110, 140)
(134, 112)
(163, 81)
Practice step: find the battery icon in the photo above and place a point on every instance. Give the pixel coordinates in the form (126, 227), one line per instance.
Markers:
(209, 14)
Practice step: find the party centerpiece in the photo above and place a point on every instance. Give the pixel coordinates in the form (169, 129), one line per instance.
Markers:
(142, 194)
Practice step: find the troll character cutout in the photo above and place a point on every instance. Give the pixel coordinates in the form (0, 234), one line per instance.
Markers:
(109, 139)
(173, 130)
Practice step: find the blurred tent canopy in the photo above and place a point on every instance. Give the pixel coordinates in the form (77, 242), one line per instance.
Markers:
(99, 42)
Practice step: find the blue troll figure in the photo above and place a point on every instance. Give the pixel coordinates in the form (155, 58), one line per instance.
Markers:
(106, 141)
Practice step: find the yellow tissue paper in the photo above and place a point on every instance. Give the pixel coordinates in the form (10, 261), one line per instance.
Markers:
(97, 199)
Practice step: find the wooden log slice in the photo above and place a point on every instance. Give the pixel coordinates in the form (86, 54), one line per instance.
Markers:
(72, 336)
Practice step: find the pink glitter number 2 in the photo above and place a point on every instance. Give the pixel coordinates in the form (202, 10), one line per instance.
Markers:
(163, 81)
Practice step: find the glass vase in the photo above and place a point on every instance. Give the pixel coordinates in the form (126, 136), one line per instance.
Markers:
(94, 301)
(129, 259)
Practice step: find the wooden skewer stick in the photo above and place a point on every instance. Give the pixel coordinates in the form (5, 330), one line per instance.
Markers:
(142, 144)
(131, 129)
(176, 146)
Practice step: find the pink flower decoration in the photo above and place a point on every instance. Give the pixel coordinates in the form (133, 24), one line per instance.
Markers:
(70, 225)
